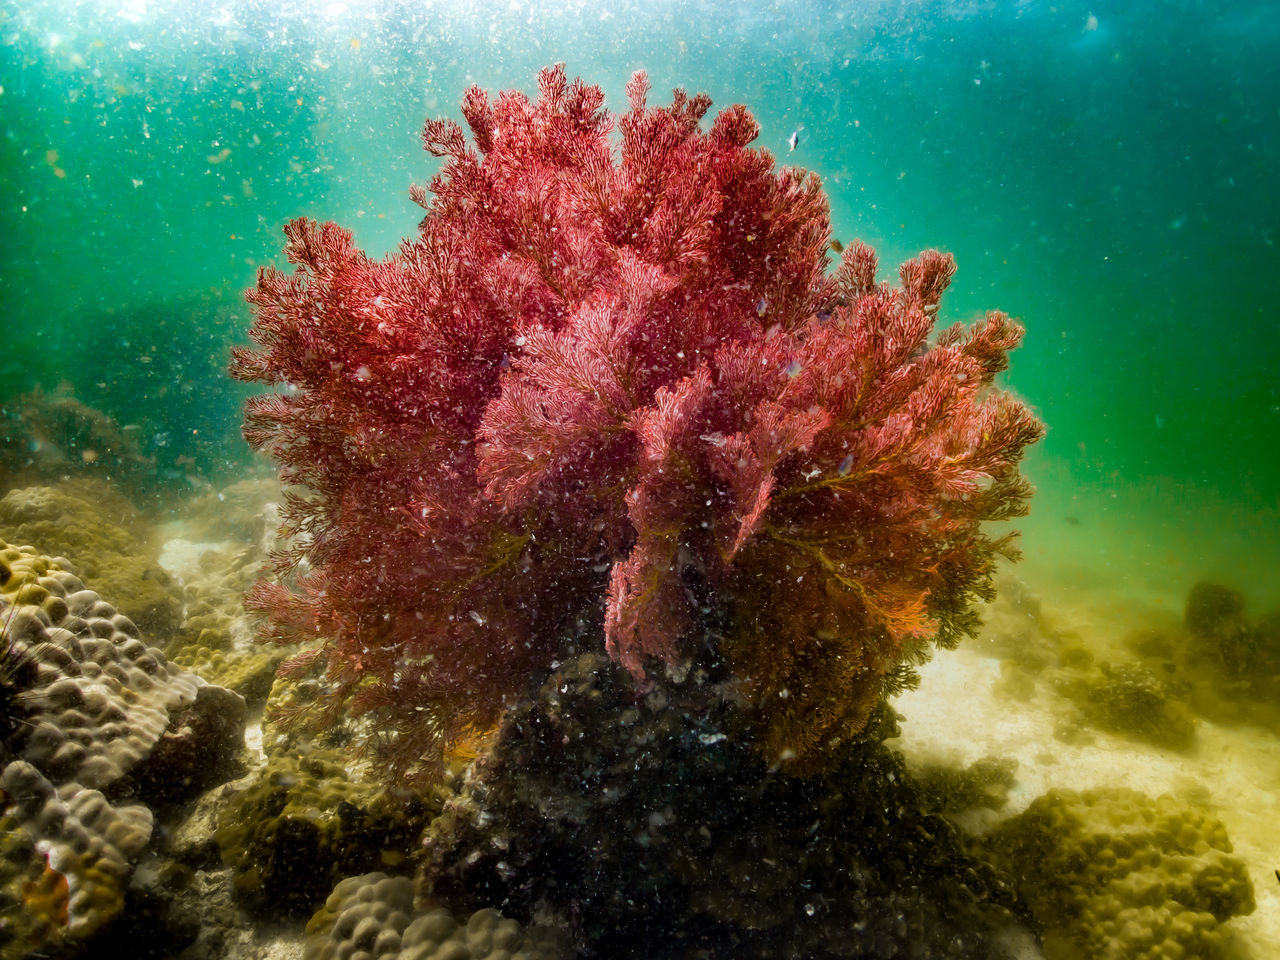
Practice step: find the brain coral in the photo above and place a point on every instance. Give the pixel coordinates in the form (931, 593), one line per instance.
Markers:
(97, 698)
(375, 916)
(1112, 874)
(65, 859)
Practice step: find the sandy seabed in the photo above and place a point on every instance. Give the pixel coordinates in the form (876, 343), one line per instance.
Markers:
(958, 715)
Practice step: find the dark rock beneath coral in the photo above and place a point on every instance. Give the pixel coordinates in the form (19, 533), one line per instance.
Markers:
(199, 748)
(644, 825)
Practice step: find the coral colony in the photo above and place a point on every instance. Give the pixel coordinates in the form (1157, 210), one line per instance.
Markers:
(613, 385)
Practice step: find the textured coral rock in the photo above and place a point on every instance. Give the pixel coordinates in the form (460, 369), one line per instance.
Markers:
(1113, 874)
(1141, 690)
(1242, 656)
(90, 713)
(215, 640)
(1132, 699)
(1219, 630)
(69, 851)
(375, 916)
(1154, 683)
(654, 832)
(103, 535)
(99, 698)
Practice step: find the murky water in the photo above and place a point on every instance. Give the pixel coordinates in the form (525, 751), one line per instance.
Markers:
(1106, 174)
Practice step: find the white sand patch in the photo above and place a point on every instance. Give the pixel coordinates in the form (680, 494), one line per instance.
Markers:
(181, 558)
(956, 717)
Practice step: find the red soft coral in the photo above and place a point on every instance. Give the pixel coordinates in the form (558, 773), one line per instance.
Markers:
(617, 372)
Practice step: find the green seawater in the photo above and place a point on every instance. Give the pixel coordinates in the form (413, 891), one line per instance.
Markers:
(1108, 172)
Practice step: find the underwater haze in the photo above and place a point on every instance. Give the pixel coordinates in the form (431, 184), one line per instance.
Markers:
(1106, 172)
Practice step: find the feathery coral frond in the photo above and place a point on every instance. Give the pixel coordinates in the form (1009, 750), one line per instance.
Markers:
(613, 373)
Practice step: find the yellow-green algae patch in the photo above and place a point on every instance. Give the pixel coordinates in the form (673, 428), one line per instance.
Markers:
(311, 816)
(107, 541)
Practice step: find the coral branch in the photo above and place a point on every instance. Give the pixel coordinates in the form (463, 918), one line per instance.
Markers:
(613, 377)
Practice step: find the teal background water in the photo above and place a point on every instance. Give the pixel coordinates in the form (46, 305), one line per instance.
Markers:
(1106, 172)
